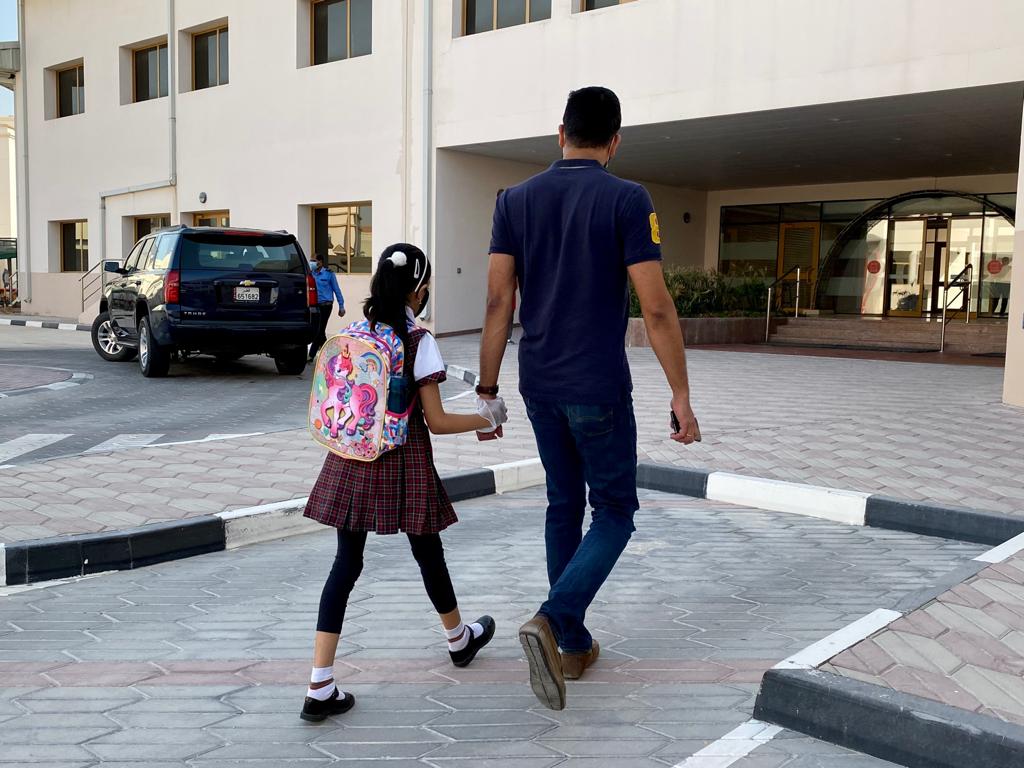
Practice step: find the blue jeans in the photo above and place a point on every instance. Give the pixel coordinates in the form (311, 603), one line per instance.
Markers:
(584, 446)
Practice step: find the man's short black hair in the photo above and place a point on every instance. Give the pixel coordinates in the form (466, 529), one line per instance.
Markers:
(592, 117)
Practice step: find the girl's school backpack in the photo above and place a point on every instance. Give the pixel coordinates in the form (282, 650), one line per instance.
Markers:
(359, 407)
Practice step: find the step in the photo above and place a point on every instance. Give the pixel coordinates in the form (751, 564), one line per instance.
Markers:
(881, 346)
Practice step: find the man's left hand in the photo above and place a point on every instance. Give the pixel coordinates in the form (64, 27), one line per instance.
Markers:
(341, 312)
(689, 430)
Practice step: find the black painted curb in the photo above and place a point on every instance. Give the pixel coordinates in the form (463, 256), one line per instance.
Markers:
(62, 557)
(685, 482)
(49, 324)
(990, 528)
(462, 374)
(946, 522)
(898, 727)
(471, 484)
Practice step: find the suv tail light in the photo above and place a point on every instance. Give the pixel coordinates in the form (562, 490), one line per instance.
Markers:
(311, 293)
(172, 287)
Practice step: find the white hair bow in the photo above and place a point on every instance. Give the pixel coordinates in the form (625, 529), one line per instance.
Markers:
(398, 258)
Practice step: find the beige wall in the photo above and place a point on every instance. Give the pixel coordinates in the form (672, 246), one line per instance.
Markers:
(679, 59)
(1013, 382)
(8, 179)
(55, 295)
(863, 190)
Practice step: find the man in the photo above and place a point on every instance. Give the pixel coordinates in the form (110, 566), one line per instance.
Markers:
(569, 238)
(326, 289)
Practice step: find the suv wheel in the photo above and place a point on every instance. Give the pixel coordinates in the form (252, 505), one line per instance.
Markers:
(154, 360)
(291, 361)
(105, 342)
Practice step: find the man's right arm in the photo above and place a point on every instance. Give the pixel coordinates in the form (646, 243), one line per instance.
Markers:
(501, 293)
(663, 330)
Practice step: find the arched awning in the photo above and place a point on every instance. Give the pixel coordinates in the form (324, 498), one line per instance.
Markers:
(882, 209)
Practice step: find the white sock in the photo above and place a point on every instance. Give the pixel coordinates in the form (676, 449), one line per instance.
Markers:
(459, 637)
(321, 675)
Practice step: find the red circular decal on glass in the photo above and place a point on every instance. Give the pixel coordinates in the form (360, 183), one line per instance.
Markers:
(874, 267)
(995, 267)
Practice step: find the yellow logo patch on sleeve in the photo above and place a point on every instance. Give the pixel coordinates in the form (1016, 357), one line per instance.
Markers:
(655, 229)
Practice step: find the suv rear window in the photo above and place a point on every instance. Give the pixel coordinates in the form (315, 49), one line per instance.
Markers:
(225, 252)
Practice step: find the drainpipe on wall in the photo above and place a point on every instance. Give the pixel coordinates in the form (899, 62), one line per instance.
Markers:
(428, 132)
(24, 237)
(172, 153)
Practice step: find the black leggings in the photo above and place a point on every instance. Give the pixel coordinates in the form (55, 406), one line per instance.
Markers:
(348, 564)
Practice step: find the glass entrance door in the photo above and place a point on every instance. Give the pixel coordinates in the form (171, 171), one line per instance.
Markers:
(907, 268)
(798, 247)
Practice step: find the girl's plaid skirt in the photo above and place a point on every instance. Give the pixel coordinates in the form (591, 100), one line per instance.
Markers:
(399, 491)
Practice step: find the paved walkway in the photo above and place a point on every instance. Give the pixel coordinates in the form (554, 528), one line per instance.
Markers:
(918, 431)
(18, 377)
(965, 649)
(202, 662)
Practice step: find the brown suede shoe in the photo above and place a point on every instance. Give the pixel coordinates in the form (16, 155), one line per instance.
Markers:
(575, 664)
(541, 650)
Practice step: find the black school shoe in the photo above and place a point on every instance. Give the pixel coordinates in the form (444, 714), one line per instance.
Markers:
(466, 655)
(316, 711)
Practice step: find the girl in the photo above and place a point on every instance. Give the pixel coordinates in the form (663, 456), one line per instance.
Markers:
(399, 491)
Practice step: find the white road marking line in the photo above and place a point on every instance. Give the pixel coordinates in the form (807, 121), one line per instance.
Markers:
(460, 396)
(124, 441)
(209, 439)
(847, 637)
(734, 746)
(1004, 551)
(28, 443)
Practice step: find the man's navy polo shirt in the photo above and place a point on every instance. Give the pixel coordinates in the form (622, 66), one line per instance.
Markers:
(573, 230)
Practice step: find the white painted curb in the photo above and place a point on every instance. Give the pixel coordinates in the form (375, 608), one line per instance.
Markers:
(818, 653)
(253, 525)
(1003, 552)
(517, 475)
(3, 565)
(778, 496)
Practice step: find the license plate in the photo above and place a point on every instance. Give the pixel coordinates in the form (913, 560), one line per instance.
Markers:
(247, 294)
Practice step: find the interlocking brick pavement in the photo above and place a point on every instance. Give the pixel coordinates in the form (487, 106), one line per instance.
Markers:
(916, 431)
(18, 377)
(202, 662)
(965, 648)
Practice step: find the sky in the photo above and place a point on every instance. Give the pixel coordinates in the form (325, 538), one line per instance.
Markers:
(8, 31)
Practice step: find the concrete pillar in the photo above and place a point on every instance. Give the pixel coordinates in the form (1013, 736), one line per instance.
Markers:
(1013, 382)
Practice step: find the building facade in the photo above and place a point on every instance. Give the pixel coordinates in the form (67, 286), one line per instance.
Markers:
(874, 144)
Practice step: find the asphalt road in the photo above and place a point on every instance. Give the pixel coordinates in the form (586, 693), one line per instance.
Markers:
(118, 408)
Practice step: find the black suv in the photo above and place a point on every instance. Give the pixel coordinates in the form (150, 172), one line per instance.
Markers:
(206, 290)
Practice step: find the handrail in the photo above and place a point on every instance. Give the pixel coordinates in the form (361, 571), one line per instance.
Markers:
(90, 290)
(771, 289)
(964, 284)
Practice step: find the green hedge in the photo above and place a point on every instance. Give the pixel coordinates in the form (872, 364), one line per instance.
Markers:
(708, 293)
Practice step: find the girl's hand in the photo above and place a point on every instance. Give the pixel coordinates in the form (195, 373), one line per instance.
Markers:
(494, 410)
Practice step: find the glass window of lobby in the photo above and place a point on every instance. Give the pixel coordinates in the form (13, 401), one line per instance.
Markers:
(210, 58)
(486, 15)
(74, 246)
(593, 5)
(343, 237)
(211, 219)
(145, 225)
(907, 256)
(342, 29)
(71, 91)
(149, 72)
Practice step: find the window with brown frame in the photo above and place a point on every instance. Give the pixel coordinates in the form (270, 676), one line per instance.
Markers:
(211, 219)
(593, 5)
(210, 58)
(71, 91)
(487, 15)
(149, 72)
(342, 29)
(343, 237)
(74, 246)
(145, 225)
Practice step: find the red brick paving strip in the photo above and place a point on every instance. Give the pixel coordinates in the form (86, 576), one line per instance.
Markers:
(965, 649)
(15, 377)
